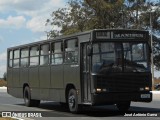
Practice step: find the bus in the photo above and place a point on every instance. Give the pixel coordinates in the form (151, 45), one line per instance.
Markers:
(97, 67)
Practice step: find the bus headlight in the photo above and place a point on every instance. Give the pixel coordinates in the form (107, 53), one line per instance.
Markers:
(99, 90)
(147, 88)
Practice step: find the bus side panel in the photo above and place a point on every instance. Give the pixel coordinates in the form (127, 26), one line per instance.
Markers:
(14, 91)
(71, 75)
(23, 76)
(9, 81)
(34, 82)
(9, 78)
(16, 75)
(44, 78)
(56, 82)
(13, 83)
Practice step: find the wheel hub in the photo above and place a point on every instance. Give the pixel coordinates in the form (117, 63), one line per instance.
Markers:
(72, 101)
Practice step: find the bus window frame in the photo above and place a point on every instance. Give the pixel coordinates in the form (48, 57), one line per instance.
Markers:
(42, 55)
(36, 45)
(16, 58)
(10, 58)
(71, 51)
(53, 53)
(27, 57)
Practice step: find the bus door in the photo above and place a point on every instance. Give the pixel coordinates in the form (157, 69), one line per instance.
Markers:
(85, 74)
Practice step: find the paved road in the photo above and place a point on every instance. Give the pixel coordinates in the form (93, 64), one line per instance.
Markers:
(53, 109)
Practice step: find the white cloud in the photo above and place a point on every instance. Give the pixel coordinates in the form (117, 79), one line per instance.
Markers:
(38, 21)
(2, 70)
(31, 7)
(3, 57)
(37, 24)
(12, 22)
(37, 11)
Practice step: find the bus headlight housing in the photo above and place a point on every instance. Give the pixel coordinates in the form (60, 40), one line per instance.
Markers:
(98, 90)
(147, 88)
(144, 88)
(101, 90)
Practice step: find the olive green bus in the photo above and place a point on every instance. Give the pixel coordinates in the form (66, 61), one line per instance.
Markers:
(97, 67)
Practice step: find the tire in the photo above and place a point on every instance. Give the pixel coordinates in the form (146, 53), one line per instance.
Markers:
(27, 98)
(73, 101)
(123, 106)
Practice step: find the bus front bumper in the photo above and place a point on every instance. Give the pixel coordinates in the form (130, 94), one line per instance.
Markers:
(112, 98)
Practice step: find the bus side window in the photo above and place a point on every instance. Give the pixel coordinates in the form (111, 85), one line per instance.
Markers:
(34, 56)
(16, 58)
(24, 57)
(71, 51)
(10, 59)
(44, 54)
(57, 53)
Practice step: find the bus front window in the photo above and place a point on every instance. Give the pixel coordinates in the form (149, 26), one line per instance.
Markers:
(103, 57)
(119, 57)
(135, 57)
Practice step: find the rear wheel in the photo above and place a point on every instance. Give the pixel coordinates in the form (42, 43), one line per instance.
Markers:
(123, 106)
(27, 98)
(73, 101)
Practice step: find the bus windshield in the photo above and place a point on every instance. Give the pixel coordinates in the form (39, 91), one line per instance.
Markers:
(120, 57)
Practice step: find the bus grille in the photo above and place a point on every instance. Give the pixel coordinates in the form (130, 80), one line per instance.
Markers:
(123, 83)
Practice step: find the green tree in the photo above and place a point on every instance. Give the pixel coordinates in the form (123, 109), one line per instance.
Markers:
(82, 15)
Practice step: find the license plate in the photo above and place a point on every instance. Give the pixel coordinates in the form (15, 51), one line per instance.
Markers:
(145, 96)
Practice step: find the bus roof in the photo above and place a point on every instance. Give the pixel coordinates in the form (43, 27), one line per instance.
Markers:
(70, 36)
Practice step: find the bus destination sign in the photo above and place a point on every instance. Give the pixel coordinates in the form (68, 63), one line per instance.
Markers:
(128, 35)
(119, 35)
(102, 35)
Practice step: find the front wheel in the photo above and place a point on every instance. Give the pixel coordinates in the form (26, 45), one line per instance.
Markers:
(73, 101)
(123, 106)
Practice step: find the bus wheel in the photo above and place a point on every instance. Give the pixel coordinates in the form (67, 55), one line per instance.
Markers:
(73, 101)
(27, 97)
(124, 106)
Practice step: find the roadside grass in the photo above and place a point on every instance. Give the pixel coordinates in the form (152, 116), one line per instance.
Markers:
(6, 118)
(3, 83)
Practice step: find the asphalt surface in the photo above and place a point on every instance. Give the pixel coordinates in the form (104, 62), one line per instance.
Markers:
(53, 110)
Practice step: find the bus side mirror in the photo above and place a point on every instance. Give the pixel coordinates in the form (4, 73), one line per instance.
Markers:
(89, 50)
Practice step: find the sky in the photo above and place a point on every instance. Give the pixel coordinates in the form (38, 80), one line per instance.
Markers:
(23, 21)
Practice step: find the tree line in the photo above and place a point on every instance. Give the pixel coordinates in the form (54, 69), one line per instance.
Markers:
(83, 15)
